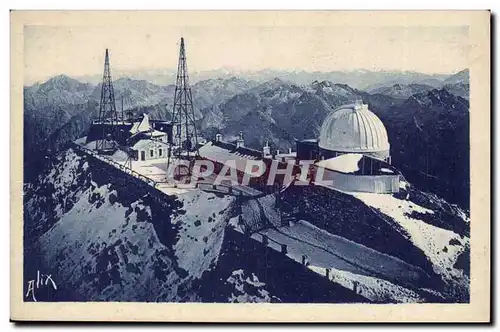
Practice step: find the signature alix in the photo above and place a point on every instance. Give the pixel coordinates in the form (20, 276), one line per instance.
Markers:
(42, 280)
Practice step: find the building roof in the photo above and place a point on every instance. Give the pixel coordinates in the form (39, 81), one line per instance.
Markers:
(166, 122)
(346, 163)
(141, 126)
(242, 150)
(223, 152)
(142, 144)
(309, 140)
(156, 133)
(357, 164)
(353, 128)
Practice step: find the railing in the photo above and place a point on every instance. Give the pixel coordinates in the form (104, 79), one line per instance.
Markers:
(152, 182)
(282, 248)
(266, 239)
(110, 161)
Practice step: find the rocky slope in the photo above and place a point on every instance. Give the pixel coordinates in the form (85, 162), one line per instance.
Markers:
(105, 236)
(429, 136)
(112, 240)
(419, 228)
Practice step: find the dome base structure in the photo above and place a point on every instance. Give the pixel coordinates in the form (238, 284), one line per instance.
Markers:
(327, 154)
(354, 172)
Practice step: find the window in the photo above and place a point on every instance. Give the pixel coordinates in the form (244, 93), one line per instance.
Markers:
(160, 152)
(151, 153)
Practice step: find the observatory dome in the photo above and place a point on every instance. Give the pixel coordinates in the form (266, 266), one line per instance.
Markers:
(355, 129)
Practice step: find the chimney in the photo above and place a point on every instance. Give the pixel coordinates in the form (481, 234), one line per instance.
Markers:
(266, 150)
(240, 142)
(218, 137)
(289, 150)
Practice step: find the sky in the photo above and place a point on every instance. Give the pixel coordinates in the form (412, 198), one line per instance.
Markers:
(79, 51)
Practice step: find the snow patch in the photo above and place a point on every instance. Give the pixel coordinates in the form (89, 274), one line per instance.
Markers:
(81, 140)
(247, 289)
(431, 239)
(61, 177)
(375, 289)
(201, 230)
(326, 250)
(235, 223)
(82, 235)
(346, 163)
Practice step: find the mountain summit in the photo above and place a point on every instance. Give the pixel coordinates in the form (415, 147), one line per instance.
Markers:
(460, 77)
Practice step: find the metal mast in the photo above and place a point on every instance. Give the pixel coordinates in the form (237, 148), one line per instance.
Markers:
(184, 144)
(108, 117)
(127, 104)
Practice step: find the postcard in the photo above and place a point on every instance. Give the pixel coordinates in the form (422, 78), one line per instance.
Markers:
(250, 166)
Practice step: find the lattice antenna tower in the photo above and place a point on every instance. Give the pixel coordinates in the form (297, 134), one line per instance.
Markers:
(108, 116)
(184, 144)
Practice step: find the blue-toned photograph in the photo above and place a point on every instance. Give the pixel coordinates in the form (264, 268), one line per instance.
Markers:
(314, 164)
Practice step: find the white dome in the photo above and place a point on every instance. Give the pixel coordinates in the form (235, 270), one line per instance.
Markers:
(353, 128)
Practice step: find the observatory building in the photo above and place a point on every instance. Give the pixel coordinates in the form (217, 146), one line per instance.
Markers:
(354, 151)
(350, 128)
(354, 129)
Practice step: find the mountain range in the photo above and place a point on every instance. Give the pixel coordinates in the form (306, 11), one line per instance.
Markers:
(422, 113)
(360, 79)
